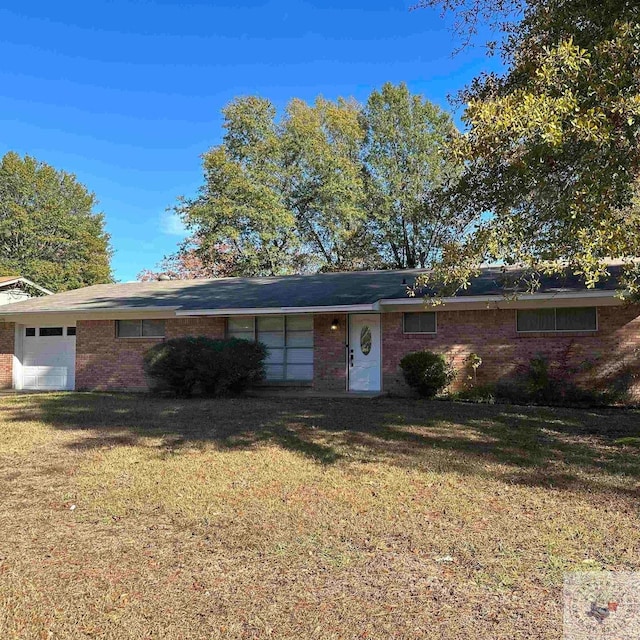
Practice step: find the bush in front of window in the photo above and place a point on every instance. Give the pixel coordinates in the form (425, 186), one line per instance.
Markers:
(171, 365)
(426, 372)
(540, 383)
(230, 366)
(184, 366)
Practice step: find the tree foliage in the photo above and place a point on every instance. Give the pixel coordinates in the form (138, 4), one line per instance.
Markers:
(48, 229)
(329, 186)
(187, 263)
(552, 148)
(405, 162)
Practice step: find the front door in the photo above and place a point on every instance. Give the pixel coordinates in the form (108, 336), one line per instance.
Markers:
(364, 352)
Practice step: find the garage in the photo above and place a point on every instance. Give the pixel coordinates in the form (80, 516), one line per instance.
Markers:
(48, 358)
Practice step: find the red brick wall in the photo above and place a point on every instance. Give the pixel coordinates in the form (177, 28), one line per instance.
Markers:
(329, 352)
(7, 347)
(106, 362)
(593, 359)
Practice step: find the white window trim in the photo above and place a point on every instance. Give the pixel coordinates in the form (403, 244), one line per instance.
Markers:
(140, 337)
(420, 333)
(555, 312)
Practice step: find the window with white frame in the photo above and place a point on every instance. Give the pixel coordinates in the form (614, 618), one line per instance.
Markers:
(289, 341)
(557, 319)
(420, 322)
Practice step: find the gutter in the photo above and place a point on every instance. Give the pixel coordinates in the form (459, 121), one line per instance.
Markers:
(522, 297)
(76, 311)
(260, 311)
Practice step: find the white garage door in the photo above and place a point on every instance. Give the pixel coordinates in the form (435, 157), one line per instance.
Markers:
(48, 358)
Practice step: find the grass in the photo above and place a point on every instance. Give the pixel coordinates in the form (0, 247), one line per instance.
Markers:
(134, 517)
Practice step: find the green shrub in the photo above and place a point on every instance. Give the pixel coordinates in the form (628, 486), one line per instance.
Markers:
(426, 372)
(484, 394)
(539, 385)
(230, 366)
(171, 365)
(212, 367)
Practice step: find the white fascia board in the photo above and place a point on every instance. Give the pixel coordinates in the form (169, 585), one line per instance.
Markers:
(89, 314)
(523, 297)
(260, 311)
(8, 283)
(36, 286)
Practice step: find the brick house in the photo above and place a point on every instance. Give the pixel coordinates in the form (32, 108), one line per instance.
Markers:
(334, 331)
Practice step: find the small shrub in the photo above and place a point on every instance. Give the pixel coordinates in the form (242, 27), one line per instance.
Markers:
(481, 394)
(213, 367)
(426, 372)
(475, 362)
(538, 385)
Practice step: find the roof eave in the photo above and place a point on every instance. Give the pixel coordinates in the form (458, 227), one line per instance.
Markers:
(76, 310)
(26, 281)
(254, 311)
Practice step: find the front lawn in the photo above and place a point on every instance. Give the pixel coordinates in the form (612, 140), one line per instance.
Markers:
(125, 516)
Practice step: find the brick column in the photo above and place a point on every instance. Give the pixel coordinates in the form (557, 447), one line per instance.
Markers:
(329, 352)
(7, 349)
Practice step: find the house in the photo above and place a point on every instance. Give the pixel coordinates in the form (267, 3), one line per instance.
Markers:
(333, 331)
(17, 288)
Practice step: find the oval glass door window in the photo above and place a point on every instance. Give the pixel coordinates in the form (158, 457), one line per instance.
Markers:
(365, 340)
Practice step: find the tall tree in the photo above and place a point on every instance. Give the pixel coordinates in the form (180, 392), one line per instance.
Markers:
(405, 160)
(552, 149)
(49, 231)
(329, 186)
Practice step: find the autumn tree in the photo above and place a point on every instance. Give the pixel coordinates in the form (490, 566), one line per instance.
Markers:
(332, 185)
(49, 230)
(190, 262)
(552, 148)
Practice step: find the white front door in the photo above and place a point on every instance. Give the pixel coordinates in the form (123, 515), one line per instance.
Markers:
(364, 352)
(48, 358)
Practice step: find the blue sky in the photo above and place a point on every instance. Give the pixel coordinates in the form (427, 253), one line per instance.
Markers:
(127, 95)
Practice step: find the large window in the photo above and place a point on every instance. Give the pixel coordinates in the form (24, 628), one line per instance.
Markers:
(422, 322)
(289, 340)
(559, 319)
(140, 328)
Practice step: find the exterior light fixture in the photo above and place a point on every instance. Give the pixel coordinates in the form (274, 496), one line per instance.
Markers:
(335, 324)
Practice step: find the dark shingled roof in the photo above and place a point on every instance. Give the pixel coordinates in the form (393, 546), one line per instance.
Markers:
(316, 290)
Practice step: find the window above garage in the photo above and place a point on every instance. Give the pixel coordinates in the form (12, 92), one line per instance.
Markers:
(48, 332)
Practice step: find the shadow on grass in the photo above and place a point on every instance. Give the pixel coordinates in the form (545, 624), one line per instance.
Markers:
(555, 448)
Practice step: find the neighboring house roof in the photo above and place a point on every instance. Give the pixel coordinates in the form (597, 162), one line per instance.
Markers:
(8, 281)
(325, 290)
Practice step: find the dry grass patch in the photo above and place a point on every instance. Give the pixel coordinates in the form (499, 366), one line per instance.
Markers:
(134, 517)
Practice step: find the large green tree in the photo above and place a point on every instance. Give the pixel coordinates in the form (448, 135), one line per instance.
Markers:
(405, 160)
(552, 145)
(49, 231)
(333, 185)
